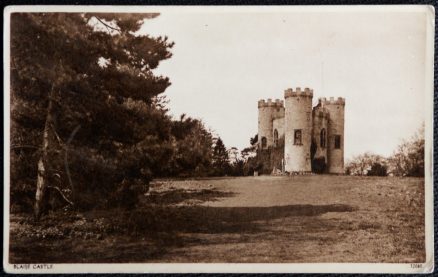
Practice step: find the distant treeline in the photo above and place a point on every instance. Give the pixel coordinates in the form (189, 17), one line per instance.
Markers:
(197, 152)
(407, 160)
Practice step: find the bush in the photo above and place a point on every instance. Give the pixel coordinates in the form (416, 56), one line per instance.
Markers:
(377, 169)
(127, 194)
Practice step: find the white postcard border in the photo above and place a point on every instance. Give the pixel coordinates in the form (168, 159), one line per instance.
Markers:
(426, 267)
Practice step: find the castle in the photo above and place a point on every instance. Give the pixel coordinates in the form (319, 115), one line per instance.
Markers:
(295, 137)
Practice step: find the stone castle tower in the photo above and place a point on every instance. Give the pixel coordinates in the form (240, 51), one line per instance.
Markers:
(310, 139)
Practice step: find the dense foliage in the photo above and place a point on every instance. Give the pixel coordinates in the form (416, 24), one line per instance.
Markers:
(88, 118)
(85, 114)
(377, 169)
(192, 146)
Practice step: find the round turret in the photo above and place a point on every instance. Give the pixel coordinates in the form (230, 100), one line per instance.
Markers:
(298, 129)
(268, 111)
(335, 153)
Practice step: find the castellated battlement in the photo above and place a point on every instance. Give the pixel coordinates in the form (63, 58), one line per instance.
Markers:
(321, 111)
(298, 92)
(269, 103)
(312, 137)
(331, 101)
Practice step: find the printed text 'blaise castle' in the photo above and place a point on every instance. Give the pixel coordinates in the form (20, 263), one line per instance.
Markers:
(296, 138)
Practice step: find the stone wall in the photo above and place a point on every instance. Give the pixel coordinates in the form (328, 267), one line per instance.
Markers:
(278, 124)
(270, 158)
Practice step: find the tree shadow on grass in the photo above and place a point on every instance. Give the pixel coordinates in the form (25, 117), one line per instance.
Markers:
(205, 219)
(150, 232)
(177, 196)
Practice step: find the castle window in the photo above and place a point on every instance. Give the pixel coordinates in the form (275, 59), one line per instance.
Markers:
(337, 142)
(322, 138)
(264, 142)
(275, 137)
(297, 137)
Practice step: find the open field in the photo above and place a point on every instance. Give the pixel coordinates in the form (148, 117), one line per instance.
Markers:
(248, 219)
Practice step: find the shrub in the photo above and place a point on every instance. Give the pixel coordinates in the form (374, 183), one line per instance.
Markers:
(377, 169)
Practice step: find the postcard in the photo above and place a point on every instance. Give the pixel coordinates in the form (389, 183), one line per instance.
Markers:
(174, 139)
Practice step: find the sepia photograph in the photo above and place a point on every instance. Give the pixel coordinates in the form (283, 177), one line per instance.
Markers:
(218, 139)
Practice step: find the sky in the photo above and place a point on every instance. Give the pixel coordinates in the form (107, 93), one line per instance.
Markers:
(224, 62)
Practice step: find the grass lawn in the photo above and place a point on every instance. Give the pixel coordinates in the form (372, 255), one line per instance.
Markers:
(297, 219)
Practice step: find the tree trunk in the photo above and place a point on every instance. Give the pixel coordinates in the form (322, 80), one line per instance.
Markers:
(42, 179)
(41, 186)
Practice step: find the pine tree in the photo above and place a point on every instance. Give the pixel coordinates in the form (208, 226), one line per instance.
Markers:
(220, 158)
(84, 103)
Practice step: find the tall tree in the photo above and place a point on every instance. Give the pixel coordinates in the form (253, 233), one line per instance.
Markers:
(192, 149)
(254, 140)
(77, 82)
(220, 158)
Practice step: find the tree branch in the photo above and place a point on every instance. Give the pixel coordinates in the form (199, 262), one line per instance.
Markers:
(106, 25)
(24, 146)
(62, 194)
(67, 169)
(57, 135)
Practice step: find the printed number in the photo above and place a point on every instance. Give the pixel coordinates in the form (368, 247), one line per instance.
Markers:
(416, 265)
